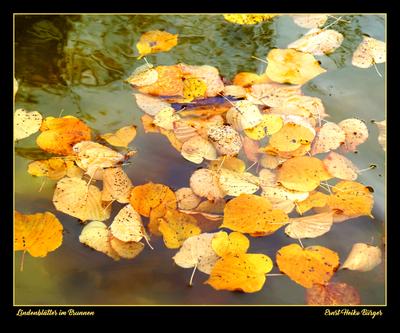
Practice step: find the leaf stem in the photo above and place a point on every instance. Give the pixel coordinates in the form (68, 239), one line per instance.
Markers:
(191, 277)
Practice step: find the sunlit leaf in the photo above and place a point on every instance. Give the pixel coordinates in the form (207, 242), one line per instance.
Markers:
(122, 137)
(309, 226)
(363, 258)
(156, 41)
(369, 52)
(340, 167)
(234, 243)
(26, 123)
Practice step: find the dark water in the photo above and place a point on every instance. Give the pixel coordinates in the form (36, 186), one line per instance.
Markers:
(78, 63)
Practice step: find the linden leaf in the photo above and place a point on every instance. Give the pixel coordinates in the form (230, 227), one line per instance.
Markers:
(271, 162)
(309, 226)
(235, 91)
(196, 149)
(127, 250)
(370, 51)
(250, 148)
(234, 243)
(315, 199)
(148, 125)
(166, 118)
(122, 137)
(196, 251)
(244, 272)
(270, 124)
(310, 20)
(247, 79)
(291, 66)
(73, 196)
(186, 198)
(334, 293)
(193, 88)
(351, 199)
(169, 82)
(253, 214)
(143, 76)
(127, 225)
(248, 19)
(26, 123)
(235, 183)
(356, 133)
(228, 162)
(156, 41)
(382, 133)
(169, 134)
(329, 137)
(340, 167)
(299, 105)
(291, 136)
(244, 115)
(38, 234)
(97, 236)
(149, 104)
(183, 131)
(53, 168)
(59, 135)
(176, 227)
(116, 185)
(225, 139)
(205, 183)
(314, 264)
(302, 173)
(363, 258)
(211, 210)
(272, 94)
(318, 42)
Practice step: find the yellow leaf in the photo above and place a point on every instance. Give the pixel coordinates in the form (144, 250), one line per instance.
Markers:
(329, 137)
(97, 236)
(116, 185)
(250, 148)
(244, 115)
(59, 135)
(169, 82)
(304, 106)
(148, 125)
(73, 196)
(26, 123)
(309, 226)
(272, 94)
(235, 91)
(127, 250)
(53, 168)
(234, 243)
(38, 234)
(226, 140)
(315, 199)
(291, 136)
(248, 18)
(235, 183)
(127, 225)
(370, 51)
(156, 41)
(196, 149)
(122, 137)
(363, 258)
(340, 167)
(291, 66)
(228, 162)
(314, 264)
(253, 214)
(143, 76)
(271, 162)
(149, 104)
(15, 87)
(193, 88)
(302, 173)
(270, 124)
(166, 118)
(244, 272)
(246, 79)
(356, 133)
(351, 199)
(176, 227)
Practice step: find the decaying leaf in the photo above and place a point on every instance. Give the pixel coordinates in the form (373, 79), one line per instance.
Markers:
(156, 41)
(197, 251)
(228, 162)
(340, 167)
(244, 272)
(314, 264)
(116, 185)
(225, 139)
(370, 51)
(243, 115)
(196, 149)
(149, 104)
(59, 135)
(126, 250)
(166, 118)
(235, 183)
(26, 123)
(38, 233)
(186, 198)
(300, 105)
(235, 91)
(334, 293)
(271, 162)
(309, 226)
(250, 148)
(382, 133)
(291, 136)
(143, 76)
(193, 88)
(122, 137)
(253, 214)
(310, 20)
(234, 243)
(329, 137)
(270, 124)
(127, 225)
(73, 196)
(183, 131)
(363, 258)
(291, 66)
(53, 168)
(356, 133)
(205, 183)
(272, 94)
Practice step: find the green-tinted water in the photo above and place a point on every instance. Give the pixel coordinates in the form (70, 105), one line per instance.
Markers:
(78, 63)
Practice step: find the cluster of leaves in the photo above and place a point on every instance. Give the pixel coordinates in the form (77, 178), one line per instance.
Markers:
(210, 120)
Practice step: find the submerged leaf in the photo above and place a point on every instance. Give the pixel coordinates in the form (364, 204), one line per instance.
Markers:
(122, 137)
(334, 293)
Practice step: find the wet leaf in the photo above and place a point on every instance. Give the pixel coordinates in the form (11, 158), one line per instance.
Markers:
(166, 118)
(196, 149)
(228, 162)
(363, 258)
(356, 133)
(309, 226)
(250, 148)
(169, 82)
(126, 250)
(315, 199)
(235, 183)
(143, 76)
(310, 20)
(247, 79)
(272, 94)
(329, 137)
(270, 124)
(300, 105)
(205, 183)
(248, 19)
(53, 168)
(234, 243)
(370, 51)
(382, 133)
(26, 123)
(127, 225)
(193, 88)
(340, 167)
(116, 185)
(122, 137)
(149, 104)
(156, 41)
(186, 198)
(243, 115)
(334, 293)
(225, 139)
(291, 136)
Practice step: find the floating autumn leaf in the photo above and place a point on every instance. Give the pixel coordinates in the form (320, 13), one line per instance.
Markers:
(235, 91)
(176, 227)
(300, 105)
(285, 155)
(143, 76)
(211, 210)
(148, 125)
(186, 198)
(329, 137)
(248, 18)
(351, 199)
(169, 82)
(302, 173)
(267, 178)
(97, 236)
(116, 185)
(205, 110)
(127, 225)
(250, 148)
(340, 167)
(291, 66)
(272, 94)
(271, 162)
(356, 133)
(225, 139)
(73, 196)
(202, 125)
(196, 149)
(205, 183)
(309, 226)
(145, 198)
(26, 123)
(38, 233)
(156, 41)
(252, 214)
(122, 137)
(53, 168)
(291, 136)
(169, 134)
(370, 51)
(334, 293)
(183, 131)
(338, 216)
(244, 272)
(127, 250)
(310, 20)
(234, 243)
(59, 135)
(315, 199)
(308, 266)
(235, 183)
(228, 162)
(270, 124)
(193, 88)
(277, 193)
(247, 79)
(166, 118)
(149, 104)
(243, 115)
(382, 133)
(363, 258)
(318, 41)
(196, 251)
